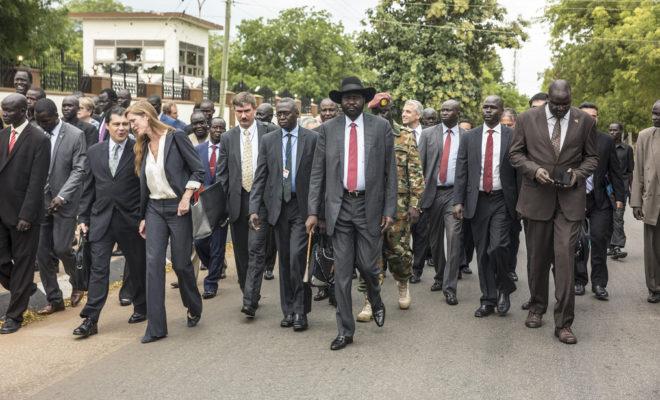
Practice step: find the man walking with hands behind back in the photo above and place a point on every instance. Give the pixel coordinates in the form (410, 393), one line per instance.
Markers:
(353, 188)
(554, 147)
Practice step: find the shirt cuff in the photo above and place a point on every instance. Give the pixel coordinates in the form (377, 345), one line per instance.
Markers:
(193, 185)
(62, 198)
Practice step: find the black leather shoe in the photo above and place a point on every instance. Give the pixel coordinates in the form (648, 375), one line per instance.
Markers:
(340, 342)
(437, 286)
(10, 326)
(268, 275)
(415, 278)
(287, 321)
(209, 294)
(503, 303)
(484, 310)
(322, 294)
(466, 269)
(450, 298)
(653, 298)
(150, 339)
(300, 322)
(600, 292)
(137, 318)
(513, 276)
(193, 320)
(611, 251)
(430, 262)
(379, 315)
(249, 311)
(86, 329)
(125, 302)
(525, 305)
(579, 289)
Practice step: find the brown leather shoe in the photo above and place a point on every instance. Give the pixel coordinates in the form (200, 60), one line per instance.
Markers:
(534, 320)
(51, 308)
(76, 297)
(565, 335)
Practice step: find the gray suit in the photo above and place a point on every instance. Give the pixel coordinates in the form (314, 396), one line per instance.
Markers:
(249, 245)
(354, 221)
(287, 218)
(438, 202)
(66, 176)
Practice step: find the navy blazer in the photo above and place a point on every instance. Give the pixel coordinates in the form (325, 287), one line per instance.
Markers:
(203, 152)
(182, 164)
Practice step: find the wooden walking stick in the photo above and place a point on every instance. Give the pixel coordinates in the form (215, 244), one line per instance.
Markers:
(306, 285)
(309, 252)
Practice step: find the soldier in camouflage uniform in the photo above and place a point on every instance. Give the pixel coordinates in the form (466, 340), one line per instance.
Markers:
(397, 251)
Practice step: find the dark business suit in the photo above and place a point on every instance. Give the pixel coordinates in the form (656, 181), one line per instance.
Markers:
(599, 211)
(626, 159)
(66, 177)
(110, 207)
(211, 249)
(553, 215)
(287, 218)
(182, 164)
(490, 214)
(23, 174)
(249, 248)
(438, 202)
(91, 133)
(353, 221)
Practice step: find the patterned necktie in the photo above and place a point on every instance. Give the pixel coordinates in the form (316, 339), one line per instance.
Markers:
(114, 160)
(351, 176)
(213, 161)
(12, 140)
(488, 163)
(286, 188)
(590, 184)
(247, 174)
(444, 161)
(556, 136)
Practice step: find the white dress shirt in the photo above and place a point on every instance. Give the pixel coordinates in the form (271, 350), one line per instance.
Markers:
(217, 152)
(111, 148)
(159, 187)
(19, 129)
(359, 122)
(417, 131)
(453, 154)
(497, 146)
(254, 138)
(53, 137)
(551, 124)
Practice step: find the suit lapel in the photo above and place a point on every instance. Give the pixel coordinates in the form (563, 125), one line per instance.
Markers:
(655, 145)
(236, 146)
(105, 159)
(125, 155)
(368, 144)
(168, 144)
(340, 134)
(204, 156)
(4, 147)
(542, 127)
(504, 144)
(58, 142)
(278, 152)
(572, 125)
(477, 143)
(300, 146)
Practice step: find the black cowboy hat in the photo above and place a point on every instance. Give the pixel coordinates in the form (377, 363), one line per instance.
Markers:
(352, 84)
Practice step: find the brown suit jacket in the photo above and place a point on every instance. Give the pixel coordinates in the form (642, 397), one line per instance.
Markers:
(646, 176)
(532, 149)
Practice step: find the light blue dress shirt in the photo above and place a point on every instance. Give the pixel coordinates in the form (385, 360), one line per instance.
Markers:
(294, 150)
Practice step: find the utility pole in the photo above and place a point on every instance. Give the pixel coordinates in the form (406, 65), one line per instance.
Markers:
(225, 59)
(515, 67)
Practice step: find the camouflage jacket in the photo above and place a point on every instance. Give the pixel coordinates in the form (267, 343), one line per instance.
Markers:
(409, 169)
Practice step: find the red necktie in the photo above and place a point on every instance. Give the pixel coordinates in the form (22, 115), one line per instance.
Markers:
(488, 163)
(213, 161)
(444, 161)
(12, 140)
(351, 182)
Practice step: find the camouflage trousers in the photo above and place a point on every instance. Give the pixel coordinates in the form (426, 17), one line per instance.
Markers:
(396, 251)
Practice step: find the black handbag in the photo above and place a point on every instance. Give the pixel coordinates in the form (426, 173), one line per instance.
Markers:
(323, 262)
(83, 255)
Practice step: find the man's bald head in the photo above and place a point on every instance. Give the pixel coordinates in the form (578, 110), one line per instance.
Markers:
(450, 110)
(328, 109)
(264, 112)
(559, 98)
(14, 108)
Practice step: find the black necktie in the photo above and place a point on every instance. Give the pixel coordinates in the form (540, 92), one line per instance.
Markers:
(286, 188)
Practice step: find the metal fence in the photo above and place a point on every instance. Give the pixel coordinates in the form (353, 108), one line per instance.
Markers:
(58, 72)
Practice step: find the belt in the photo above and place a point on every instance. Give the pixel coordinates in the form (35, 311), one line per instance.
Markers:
(445, 187)
(355, 193)
(492, 193)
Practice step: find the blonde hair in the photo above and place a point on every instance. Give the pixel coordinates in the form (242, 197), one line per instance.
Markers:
(144, 109)
(87, 103)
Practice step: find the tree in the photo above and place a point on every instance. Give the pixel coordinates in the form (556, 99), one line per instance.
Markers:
(609, 53)
(436, 50)
(31, 27)
(96, 6)
(300, 51)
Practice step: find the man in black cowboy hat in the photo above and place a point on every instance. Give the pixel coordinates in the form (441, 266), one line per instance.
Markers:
(354, 176)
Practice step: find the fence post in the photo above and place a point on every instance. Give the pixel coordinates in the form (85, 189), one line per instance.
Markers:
(172, 97)
(61, 70)
(79, 72)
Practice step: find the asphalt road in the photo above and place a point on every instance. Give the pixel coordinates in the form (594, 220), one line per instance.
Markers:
(432, 351)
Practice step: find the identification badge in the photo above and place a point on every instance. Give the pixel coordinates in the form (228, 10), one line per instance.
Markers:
(285, 173)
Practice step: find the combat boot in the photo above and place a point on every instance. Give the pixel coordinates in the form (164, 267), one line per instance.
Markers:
(366, 314)
(404, 295)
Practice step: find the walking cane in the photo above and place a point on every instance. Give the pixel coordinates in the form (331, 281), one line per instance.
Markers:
(306, 284)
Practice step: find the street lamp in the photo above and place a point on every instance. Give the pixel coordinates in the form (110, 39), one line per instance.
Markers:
(20, 59)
